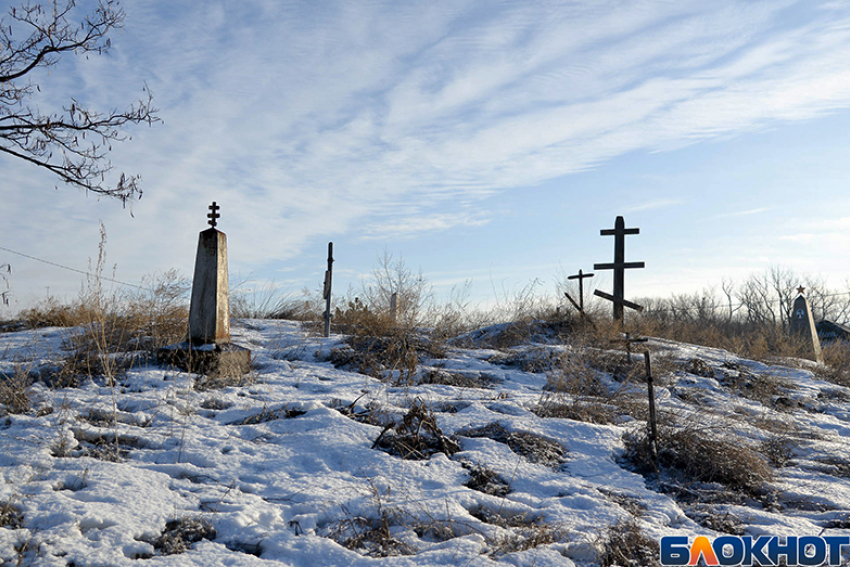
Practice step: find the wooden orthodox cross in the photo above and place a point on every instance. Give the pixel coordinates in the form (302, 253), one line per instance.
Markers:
(326, 294)
(580, 277)
(619, 266)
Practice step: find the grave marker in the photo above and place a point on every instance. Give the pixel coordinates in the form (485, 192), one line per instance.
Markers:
(208, 348)
(326, 295)
(209, 309)
(619, 265)
(803, 327)
(580, 276)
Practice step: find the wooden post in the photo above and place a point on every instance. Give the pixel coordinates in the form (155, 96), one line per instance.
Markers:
(653, 419)
(393, 305)
(327, 289)
(619, 265)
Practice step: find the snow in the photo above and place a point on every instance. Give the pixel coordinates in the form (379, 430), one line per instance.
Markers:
(277, 470)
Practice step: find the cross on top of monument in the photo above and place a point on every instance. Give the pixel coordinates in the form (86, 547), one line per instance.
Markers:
(800, 290)
(213, 215)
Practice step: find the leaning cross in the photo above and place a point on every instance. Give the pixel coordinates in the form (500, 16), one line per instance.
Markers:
(580, 277)
(213, 215)
(619, 266)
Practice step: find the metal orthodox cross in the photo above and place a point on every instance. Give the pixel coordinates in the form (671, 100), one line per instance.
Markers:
(580, 276)
(619, 266)
(213, 215)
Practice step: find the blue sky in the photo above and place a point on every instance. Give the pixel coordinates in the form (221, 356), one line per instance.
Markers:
(483, 141)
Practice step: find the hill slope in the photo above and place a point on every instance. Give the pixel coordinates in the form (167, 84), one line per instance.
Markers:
(513, 456)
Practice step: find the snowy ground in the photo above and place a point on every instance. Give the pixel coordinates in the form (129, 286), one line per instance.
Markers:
(283, 471)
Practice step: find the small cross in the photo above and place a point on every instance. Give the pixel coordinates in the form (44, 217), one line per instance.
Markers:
(213, 215)
(800, 290)
(580, 277)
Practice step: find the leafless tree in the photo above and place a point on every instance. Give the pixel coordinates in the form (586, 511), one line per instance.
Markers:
(392, 276)
(74, 143)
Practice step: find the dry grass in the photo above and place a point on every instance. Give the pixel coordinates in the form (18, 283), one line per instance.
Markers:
(759, 387)
(416, 436)
(836, 358)
(760, 342)
(581, 409)
(179, 535)
(535, 448)
(485, 480)
(576, 374)
(380, 345)
(372, 535)
(11, 516)
(523, 538)
(702, 455)
(114, 330)
(625, 545)
(15, 390)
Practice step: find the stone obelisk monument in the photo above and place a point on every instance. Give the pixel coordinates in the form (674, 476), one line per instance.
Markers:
(209, 311)
(208, 349)
(803, 327)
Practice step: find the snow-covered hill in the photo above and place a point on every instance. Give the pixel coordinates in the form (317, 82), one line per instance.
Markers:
(304, 465)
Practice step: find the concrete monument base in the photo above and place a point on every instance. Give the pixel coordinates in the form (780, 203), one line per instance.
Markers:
(226, 360)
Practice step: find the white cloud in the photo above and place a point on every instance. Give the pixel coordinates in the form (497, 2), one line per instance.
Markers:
(408, 227)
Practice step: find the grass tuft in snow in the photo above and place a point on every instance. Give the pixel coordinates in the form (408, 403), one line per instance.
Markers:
(535, 448)
(417, 436)
(179, 535)
(15, 390)
(485, 480)
(11, 516)
(522, 538)
(587, 410)
(625, 545)
(715, 518)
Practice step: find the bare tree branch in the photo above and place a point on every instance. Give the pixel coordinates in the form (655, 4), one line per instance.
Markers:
(73, 145)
